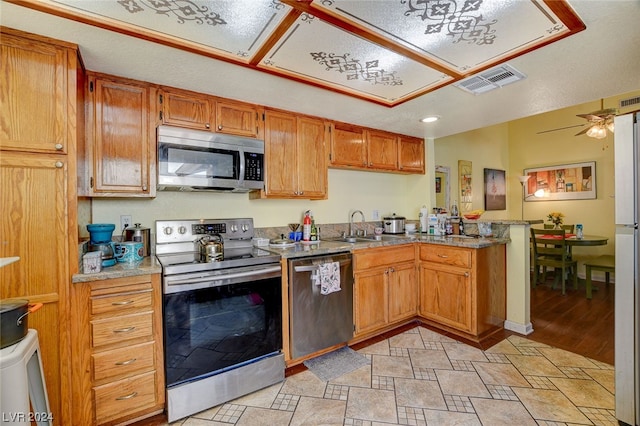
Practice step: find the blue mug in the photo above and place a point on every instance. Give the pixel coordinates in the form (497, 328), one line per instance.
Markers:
(129, 252)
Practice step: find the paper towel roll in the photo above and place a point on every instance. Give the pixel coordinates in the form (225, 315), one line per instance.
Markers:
(424, 214)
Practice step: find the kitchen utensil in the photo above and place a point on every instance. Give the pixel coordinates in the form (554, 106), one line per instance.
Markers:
(410, 227)
(100, 232)
(393, 224)
(294, 226)
(14, 320)
(378, 231)
(129, 252)
(281, 242)
(139, 234)
(212, 248)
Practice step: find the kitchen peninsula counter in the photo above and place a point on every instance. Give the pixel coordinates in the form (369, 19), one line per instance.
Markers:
(331, 246)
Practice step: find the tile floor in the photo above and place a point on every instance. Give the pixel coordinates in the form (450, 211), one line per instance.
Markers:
(420, 377)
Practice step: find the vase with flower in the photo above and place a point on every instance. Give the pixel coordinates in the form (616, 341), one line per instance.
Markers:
(556, 218)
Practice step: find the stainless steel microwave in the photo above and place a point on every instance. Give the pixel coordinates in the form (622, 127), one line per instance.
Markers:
(194, 160)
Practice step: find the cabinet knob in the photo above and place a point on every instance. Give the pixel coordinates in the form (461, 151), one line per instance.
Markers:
(392, 270)
(144, 187)
(466, 274)
(207, 125)
(59, 147)
(220, 127)
(59, 164)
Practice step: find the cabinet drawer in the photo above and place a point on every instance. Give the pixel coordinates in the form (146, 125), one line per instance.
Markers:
(371, 258)
(121, 361)
(446, 255)
(114, 330)
(118, 399)
(120, 302)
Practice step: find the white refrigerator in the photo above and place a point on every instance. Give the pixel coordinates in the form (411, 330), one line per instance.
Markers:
(627, 289)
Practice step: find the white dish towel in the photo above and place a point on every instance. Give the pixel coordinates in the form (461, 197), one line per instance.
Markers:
(329, 274)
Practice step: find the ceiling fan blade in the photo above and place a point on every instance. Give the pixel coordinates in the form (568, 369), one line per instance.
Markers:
(590, 117)
(582, 132)
(561, 128)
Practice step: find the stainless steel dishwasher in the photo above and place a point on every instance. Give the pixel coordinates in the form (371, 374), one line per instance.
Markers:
(319, 321)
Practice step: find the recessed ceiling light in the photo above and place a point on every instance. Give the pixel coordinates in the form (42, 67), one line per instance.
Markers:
(430, 119)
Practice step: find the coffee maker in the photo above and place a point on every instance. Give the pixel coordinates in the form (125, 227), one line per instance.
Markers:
(100, 240)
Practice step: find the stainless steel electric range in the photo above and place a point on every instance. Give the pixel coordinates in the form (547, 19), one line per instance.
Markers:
(222, 319)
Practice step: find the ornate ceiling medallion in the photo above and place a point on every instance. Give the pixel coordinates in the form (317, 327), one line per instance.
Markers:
(461, 22)
(355, 70)
(183, 10)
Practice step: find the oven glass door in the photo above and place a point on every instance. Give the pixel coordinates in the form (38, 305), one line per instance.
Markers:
(210, 330)
(198, 163)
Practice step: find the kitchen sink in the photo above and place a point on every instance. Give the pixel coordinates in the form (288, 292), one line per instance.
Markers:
(358, 238)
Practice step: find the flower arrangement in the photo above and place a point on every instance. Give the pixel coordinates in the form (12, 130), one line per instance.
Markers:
(556, 218)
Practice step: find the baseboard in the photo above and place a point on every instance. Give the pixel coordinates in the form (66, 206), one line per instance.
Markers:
(523, 329)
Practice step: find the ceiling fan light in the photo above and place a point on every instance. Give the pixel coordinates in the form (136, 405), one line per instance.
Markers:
(592, 132)
(610, 126)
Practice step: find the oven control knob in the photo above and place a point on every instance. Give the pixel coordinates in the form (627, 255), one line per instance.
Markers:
(234, 228)
(182, 230)
(168, 230)
(245, 227)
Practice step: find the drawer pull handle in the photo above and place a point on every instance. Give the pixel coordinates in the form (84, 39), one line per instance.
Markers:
(131, 395)
(125, 302)
(444, 256)
(127, 362)
(124, 330)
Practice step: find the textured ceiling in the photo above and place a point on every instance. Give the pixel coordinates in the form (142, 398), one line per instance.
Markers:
(560, 74)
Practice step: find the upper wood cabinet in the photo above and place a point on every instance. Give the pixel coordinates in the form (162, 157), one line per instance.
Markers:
(236, 118)
(355, 147)
(295, 157)
(121, 155)
(187, 109)
(34, 101)
(203, 112)
(411, 154)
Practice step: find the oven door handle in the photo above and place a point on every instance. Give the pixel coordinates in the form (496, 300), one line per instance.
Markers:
(209, 278)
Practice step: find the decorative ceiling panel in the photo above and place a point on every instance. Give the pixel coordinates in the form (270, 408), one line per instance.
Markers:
(348, 63)
(383, 51)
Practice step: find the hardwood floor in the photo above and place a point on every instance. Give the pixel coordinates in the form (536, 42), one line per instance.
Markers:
(573, 322)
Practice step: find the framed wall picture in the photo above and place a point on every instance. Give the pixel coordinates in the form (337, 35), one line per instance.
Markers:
(495, 190)
(562, 182)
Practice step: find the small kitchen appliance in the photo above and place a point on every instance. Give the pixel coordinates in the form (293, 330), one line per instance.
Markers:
(222, 319)
(100, 240)
(393, 224)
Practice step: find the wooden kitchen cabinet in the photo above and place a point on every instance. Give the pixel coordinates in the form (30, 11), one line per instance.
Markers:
(382, 150)
(385, 288)
(295, 157)
(462, 290)
(121, 140)
(117, 338)
(186, 109)
(240, 119)
(411, 154)
(354, 147)
(42, 110)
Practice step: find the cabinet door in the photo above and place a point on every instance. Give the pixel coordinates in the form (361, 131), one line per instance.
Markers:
(122, 147)
(403, 288)
(370, 300)
(33, 102)
(312, 158)
(186, 109)
(446, 296)
(411, 154)
(382, 150)
(280, 154)
(33, 217)
(348, 146)
(239, 119)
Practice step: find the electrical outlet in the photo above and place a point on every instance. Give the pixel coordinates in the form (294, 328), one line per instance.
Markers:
(376, 215)
(125, 221)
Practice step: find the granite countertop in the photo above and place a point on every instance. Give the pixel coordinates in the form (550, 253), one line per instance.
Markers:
(332, 246)
(149, 265)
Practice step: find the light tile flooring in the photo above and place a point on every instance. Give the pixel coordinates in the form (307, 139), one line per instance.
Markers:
(420, 377)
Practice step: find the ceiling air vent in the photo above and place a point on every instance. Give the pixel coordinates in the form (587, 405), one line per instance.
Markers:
(493, 78)
(629, 102)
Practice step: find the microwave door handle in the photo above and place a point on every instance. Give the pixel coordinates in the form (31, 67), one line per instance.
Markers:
(242, 167)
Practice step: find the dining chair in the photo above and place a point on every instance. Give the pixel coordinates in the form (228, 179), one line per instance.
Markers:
(553, 255)
(567, 228)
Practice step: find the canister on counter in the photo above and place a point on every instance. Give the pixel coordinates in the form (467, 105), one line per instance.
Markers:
(579, 231)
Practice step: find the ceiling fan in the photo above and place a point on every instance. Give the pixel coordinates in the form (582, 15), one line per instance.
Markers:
(598, 123)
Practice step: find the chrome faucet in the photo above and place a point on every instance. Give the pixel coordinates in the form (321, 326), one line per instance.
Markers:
(351, 223)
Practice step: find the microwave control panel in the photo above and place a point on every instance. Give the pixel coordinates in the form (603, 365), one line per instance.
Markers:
(253, 166)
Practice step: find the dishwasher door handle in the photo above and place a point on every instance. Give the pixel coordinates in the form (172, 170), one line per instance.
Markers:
(311, 268)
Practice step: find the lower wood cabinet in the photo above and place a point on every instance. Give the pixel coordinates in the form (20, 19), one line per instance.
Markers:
(463, 290)
(117, 342)
(385, 287)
